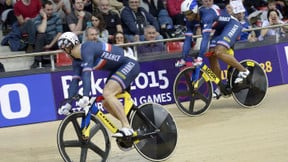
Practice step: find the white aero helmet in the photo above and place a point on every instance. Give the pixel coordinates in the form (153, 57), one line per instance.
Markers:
(189, 5)
(67, 39)
(237, 6)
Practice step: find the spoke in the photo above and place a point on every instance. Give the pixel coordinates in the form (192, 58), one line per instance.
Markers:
(201, 81)
(94, 130)
(188, 80)
(202, 97)
(97, 150)
(182, 93)
(72, 143)
(191, 104)
(83, 156)
(77, 128)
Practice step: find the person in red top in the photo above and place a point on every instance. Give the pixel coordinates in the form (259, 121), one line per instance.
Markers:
(174, 10)
(25, 11)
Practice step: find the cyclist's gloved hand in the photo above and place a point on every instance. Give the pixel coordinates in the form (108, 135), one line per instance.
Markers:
(64, 109)
(83, 102)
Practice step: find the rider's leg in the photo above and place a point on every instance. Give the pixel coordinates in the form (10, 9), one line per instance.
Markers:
(108, 108)
(215, 67)
(221, 53)
(113, 105)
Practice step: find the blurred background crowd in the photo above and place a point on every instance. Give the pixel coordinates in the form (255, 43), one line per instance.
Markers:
(35, 25)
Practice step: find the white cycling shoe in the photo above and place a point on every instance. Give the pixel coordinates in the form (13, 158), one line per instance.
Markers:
(241, 76)
(198, 61)
(64, 109)
(180, 63)
(123, 132)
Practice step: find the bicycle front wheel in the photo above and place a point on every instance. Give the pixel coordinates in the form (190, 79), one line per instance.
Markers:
(73, 147)
(189, 99)
(160, 146)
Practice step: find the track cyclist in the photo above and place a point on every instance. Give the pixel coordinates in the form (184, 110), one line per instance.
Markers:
(226, 29)
(100, 56)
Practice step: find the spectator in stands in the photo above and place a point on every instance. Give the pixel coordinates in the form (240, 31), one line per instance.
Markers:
(88, 6)
(271, 6)
(91, 6)
(222, 3)
(8, 17)
(255, 21)
(245, 35)
(134, 19)
(98, 22)
(63, 8)
(150, 34)
(91, 34)
(116, 5)
(273, 19)
(112, 19)
(285, 9)
(49, 28)
(157, 9)
(174, 10)
(2, 68)
(25, 11)
(77, 20)
(253, 5)
(119, 38)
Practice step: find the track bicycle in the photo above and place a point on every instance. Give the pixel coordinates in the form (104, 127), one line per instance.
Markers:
(83, 135)
(193, 87)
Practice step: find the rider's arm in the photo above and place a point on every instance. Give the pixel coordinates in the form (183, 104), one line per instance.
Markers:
(187, 43)
(86, 78)
(88, 59)
(204, 43)
(74, 85)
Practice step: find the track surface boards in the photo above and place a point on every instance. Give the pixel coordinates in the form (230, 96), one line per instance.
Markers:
(225, 133)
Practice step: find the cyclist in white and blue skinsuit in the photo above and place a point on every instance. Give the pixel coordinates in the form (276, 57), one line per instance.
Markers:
(226, 30)
(100, 56)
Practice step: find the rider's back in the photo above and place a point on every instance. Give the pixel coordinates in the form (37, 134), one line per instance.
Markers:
(102, 56)
(213, 17)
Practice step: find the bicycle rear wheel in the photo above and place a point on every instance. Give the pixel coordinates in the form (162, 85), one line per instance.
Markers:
(190, 100)
(73, 147)
(253, 90)
(160, 146)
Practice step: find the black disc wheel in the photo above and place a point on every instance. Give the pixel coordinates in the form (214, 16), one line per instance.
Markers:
(159, 146)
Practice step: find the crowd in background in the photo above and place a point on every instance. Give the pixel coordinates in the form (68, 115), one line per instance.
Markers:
(35, 25)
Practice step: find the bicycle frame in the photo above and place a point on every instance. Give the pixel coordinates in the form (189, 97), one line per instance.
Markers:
(128, 107)
(150, 121)
(208, 75)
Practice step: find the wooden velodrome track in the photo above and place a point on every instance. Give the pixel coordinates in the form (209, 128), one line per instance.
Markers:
(225, 133)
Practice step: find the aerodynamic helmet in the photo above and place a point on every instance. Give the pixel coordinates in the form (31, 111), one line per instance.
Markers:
(68, 39)
(189, 5)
